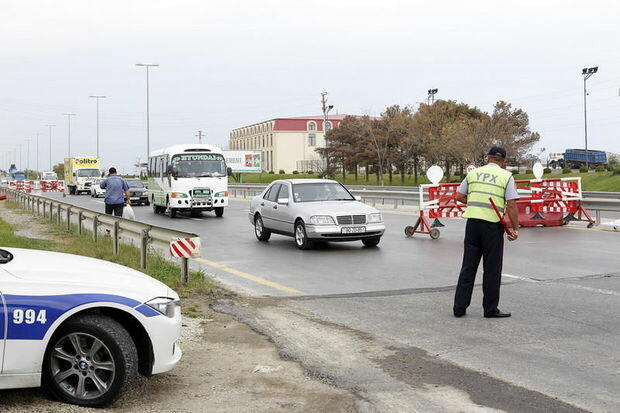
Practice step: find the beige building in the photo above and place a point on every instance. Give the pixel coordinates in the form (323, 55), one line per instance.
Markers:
(285, 143)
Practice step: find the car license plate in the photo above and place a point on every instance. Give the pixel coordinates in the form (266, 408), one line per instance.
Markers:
(353, 230)
(135, 198)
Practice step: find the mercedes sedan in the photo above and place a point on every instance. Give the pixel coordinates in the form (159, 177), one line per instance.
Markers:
(314, 210)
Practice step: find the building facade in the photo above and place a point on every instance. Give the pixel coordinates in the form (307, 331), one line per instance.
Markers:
(287, 144)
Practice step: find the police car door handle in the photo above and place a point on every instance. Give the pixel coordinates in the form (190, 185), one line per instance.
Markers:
(262, 204)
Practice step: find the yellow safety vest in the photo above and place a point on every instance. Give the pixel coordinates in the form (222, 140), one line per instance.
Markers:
(482, 183)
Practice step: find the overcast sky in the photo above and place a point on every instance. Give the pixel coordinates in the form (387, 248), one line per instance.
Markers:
(231, 63)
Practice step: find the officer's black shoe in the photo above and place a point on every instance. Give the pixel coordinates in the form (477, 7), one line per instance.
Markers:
(459, 312)
(497, 314)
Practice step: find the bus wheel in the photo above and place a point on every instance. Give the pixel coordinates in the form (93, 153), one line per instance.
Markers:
(219, 211)
(173, 213)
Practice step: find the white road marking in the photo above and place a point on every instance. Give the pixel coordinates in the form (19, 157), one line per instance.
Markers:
(569, 285)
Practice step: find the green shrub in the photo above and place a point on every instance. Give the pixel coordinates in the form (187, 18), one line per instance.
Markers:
(529, 171)
(310, 172)
(295, 172)
(514, 171)
(600, 168)
(547, 170)
(566, 170)
(281, 172)
(616, 171)
(583, 169)
(271, 172)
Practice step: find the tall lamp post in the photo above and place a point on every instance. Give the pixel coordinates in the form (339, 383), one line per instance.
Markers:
(431, 96)
(27, 154)
(326, 108)
(50, 136)
(586, 72)
(68, 115)
(97, 97)
(148, 140)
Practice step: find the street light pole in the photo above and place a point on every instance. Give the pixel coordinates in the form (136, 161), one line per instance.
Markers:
(27, 153)
(97, 97)
(326, 108)
(37, 151)
(68, 115)
(50, 136)
(586, 72)
(431, 96)
(148, 139)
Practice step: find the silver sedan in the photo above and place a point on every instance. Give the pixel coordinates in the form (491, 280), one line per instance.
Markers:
(314, 210)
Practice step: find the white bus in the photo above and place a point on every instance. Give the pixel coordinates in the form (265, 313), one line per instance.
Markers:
(188, 178)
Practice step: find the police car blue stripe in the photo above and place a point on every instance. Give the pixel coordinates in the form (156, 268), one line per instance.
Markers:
(34, 328)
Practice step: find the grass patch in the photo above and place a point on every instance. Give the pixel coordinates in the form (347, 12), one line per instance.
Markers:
(159, 268)
(591, 181)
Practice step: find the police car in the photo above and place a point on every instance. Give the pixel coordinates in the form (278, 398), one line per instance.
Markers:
(82, 328)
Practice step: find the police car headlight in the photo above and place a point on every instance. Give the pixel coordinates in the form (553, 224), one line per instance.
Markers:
(164, 305)
(374, 218)
(321, 220)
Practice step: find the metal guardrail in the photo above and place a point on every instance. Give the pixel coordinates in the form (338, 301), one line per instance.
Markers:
(135, 233)
(409, 196)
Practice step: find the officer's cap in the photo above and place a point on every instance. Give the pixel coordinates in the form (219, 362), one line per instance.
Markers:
(497, 151)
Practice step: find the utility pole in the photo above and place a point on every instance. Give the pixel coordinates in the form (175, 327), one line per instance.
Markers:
(27, 153)
(50, 136)
(37, 134)
(68, 115)
(586, 72)
(97, 97)
(148, 140)
(199, 134)
(326, 108)
(431, 96)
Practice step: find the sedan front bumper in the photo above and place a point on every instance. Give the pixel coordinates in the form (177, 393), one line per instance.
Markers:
(334, 232)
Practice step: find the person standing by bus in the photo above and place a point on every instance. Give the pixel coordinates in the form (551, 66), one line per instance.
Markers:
(116, 193)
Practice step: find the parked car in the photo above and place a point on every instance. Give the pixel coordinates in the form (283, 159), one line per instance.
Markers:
(314, 210)
(96, 190)
(81, 327)
(138, 192)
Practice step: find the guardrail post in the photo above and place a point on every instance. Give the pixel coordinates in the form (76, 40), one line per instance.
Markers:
(51, 211)
(598, 217)
(144, 242)
(115, 238)
(185, 270)
(79, 225)
(59, 214)
(95, 225)
(69, 219)
(395, 203)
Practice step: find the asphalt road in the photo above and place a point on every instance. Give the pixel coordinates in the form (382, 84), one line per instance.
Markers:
(562, 285)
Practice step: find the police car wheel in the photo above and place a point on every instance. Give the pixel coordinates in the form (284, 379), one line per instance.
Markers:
(90, 361)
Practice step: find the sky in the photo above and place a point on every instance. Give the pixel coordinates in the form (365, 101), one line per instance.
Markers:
(228, 64)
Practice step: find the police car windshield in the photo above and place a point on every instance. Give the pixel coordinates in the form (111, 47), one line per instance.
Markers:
(198, 165)
(323, 191)
(135, 183)
(88, 173)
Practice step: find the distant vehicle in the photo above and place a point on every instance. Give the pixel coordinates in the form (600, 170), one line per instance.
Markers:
(5, 182)
(18, 175)
(49, 176)
(574, 158)
(138, 192)
(188, 178)
(314, 210)
(95, 188)
(80, 174)
(81, 327)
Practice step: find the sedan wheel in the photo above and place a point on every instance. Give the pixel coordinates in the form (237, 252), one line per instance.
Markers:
(262, 234)
(90, 361)
(301, 237)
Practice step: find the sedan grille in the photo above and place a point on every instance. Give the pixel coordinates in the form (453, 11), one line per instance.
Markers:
(351, 219)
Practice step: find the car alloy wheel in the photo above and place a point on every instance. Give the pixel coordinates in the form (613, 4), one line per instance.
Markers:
(82, 366)
(301, 238)
(262, 234)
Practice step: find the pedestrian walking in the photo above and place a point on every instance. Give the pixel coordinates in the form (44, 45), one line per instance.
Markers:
(484, 234)
(116, 193)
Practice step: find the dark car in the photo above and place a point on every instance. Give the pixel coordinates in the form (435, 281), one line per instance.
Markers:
(138, 192)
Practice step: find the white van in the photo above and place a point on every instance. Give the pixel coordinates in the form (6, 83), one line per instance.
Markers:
(188, 178)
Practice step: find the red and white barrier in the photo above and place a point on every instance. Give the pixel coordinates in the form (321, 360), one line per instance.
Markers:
(185, 248)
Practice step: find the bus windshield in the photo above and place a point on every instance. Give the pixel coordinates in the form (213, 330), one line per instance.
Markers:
(198, 165)
(87, 173)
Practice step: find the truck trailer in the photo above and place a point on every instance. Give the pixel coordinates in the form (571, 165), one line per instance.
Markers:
(80, 174)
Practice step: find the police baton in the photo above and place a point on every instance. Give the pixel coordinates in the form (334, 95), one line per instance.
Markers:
(501, 218)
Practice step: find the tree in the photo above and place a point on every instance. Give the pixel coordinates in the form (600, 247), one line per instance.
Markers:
(510, 128)
(60, 170)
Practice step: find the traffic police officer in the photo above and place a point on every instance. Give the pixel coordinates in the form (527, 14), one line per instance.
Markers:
(484, 234)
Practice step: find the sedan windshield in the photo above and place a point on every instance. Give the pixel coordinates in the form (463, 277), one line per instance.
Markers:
(321, 191)
(134, 183)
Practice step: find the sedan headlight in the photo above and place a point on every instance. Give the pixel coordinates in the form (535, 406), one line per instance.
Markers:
(166, 306)
(322, 220)
(374, 218)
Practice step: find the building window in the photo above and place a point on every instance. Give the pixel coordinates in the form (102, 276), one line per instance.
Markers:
(311, 139)
(328, 126)
(311, 126)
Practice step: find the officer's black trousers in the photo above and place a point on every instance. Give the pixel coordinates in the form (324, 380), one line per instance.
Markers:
(483, 239)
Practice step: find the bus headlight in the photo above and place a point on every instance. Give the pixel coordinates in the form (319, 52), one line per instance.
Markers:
(220, 194)
(178, 195)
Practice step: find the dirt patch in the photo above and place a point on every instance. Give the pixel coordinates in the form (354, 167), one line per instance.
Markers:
(25, 224)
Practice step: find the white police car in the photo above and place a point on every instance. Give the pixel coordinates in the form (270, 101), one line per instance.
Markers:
(82, 328)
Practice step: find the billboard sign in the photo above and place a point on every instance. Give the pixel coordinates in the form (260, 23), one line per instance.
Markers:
(244, 161)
